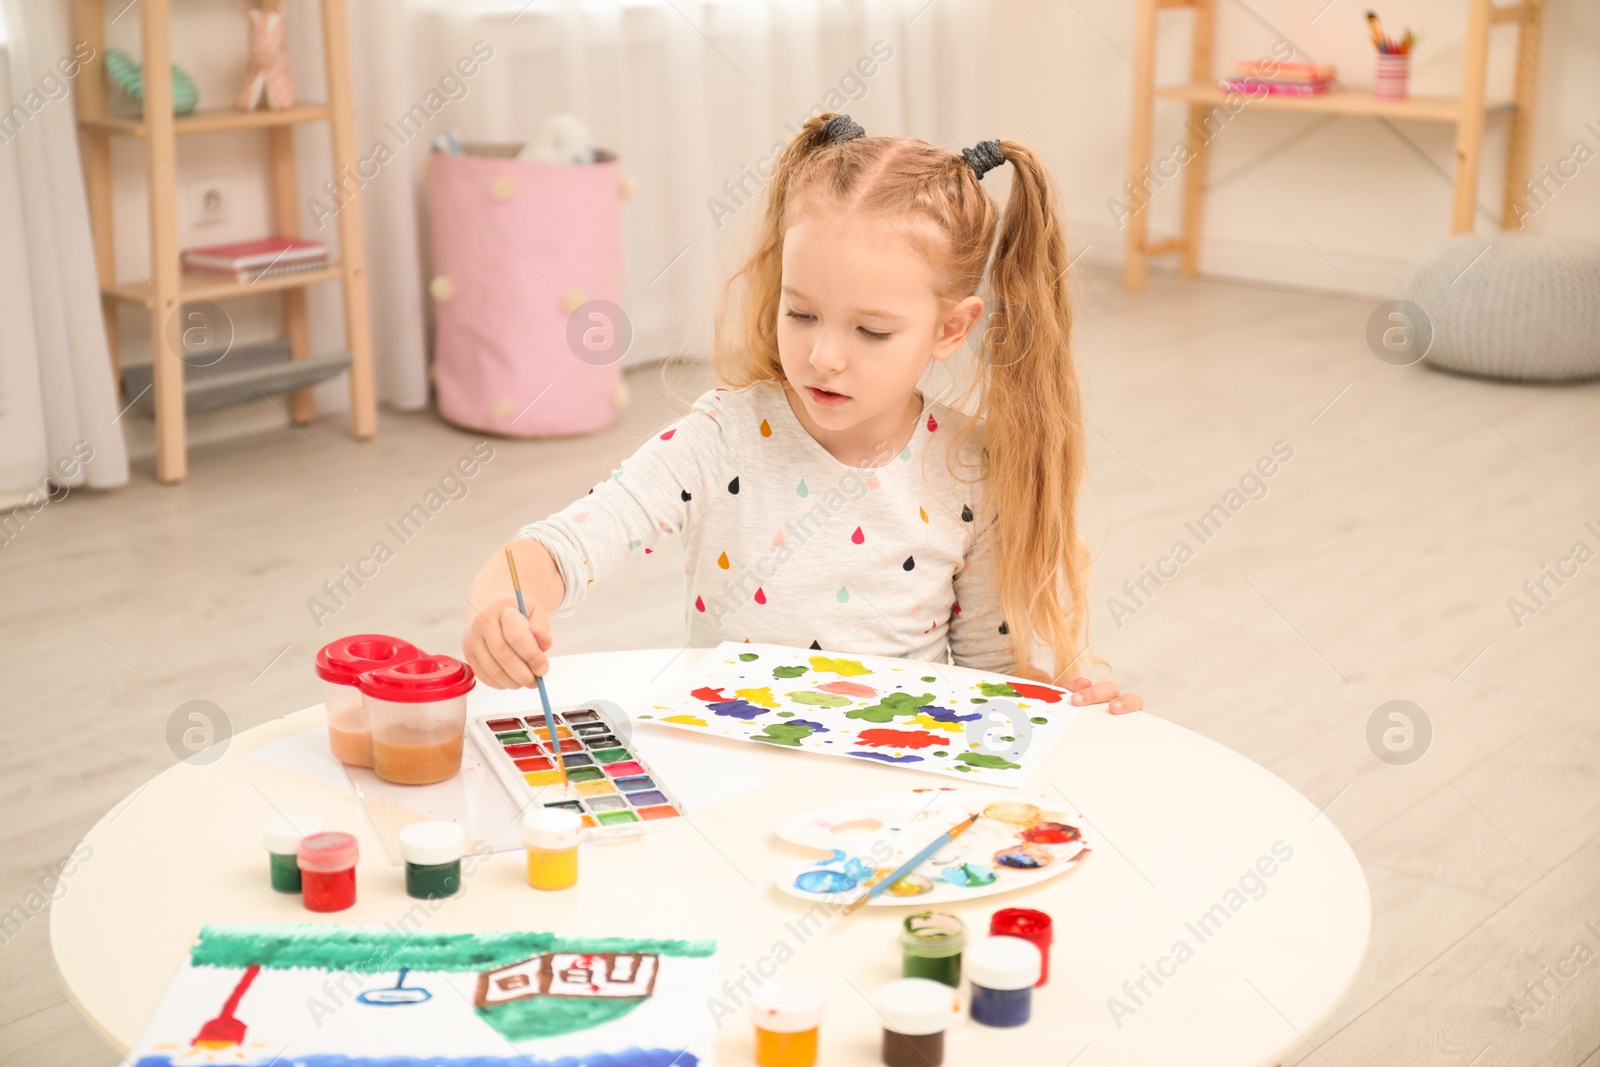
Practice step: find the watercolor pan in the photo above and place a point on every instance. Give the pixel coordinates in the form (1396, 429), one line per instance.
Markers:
(616, 792)
(661, 811)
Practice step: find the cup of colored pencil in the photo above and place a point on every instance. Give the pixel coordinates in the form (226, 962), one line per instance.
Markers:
(1394, 61)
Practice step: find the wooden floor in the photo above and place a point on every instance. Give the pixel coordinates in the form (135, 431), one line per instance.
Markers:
(1377, 566)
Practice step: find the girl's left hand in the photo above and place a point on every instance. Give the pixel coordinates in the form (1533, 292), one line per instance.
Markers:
(1087, 692)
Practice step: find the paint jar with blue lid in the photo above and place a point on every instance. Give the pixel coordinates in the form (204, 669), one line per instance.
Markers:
(432, 851)
(282, 835)
(1003, 971)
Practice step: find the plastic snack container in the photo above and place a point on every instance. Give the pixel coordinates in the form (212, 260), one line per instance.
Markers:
(416, 713)
(339, 664)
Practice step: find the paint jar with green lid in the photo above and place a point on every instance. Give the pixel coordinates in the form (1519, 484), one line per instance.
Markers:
(282, 835)
(931, 943)
(432, 851)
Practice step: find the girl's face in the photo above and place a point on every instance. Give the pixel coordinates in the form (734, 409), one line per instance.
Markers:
(859, 317)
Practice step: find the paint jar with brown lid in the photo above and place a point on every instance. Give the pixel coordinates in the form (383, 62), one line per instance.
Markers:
(915, 1013)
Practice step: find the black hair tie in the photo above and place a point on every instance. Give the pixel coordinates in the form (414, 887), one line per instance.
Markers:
(984, 157)
(842, 128)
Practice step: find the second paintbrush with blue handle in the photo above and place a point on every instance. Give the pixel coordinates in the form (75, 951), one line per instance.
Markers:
(912, 864)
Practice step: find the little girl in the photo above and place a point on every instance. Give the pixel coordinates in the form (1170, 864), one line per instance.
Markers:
(826, 502)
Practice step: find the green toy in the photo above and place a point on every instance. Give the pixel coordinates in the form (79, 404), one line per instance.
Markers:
(128, 74)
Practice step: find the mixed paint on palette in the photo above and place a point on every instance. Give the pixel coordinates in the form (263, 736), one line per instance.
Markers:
(349, 996)
(608, 783)
(1013, 845)
(939, 718)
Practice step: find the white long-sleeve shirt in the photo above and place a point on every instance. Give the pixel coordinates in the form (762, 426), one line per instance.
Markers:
(787, 545)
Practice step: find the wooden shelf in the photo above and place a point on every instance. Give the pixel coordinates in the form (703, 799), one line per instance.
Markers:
(1336, 102)
(1464, 114)
(211, 120)
(199, 286)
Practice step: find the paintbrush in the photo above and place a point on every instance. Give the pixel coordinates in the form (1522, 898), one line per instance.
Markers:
(1376, 28)
(912, 864)
(544, 697)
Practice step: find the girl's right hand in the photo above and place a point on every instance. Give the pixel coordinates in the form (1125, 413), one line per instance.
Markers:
(505, 649)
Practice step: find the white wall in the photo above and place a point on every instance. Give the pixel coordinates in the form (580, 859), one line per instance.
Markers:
(1341, 204)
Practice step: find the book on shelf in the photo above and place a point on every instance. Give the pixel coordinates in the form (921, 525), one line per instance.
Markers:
(1268, 70)
(254, 258)
(1266, 87)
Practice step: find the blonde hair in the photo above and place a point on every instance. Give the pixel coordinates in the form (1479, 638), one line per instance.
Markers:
(1026, 382)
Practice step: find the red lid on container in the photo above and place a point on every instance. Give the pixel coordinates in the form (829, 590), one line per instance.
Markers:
(418, 681)
(345, 659)
(329, 851)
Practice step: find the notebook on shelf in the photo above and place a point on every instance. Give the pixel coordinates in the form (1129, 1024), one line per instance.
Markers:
(263, 257)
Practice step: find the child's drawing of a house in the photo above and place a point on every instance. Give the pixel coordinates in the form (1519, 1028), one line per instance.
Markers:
(612, 975)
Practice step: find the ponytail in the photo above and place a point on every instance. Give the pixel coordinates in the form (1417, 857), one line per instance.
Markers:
(1034, 440)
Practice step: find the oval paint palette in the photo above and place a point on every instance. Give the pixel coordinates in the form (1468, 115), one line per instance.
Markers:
(1014, 844)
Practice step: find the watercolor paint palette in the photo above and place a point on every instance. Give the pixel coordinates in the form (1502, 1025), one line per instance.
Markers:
(609, 783)
(937, 718)
(1013, 845)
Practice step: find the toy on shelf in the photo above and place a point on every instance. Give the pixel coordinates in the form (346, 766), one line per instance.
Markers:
(267, 76)
(129, 76)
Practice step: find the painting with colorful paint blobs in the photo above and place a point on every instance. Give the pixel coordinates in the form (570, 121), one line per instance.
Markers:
(1015, 844)
(353, 996)
(608, 783)
(974, 725)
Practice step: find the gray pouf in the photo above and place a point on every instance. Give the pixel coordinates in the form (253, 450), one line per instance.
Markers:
(1517, 306)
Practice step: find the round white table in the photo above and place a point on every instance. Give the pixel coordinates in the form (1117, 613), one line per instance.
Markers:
(1219, 919)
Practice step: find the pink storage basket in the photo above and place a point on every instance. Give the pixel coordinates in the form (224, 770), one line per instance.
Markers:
(517, 248)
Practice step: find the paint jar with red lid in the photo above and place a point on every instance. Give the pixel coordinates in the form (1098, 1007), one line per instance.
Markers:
(416, 713)
(1030, 925)
(339, 664)
(328, 871)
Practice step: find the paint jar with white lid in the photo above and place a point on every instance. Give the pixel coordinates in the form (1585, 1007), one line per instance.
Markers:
(915, 1014)
(282, 835)
(1003, 971)
(432, 852)
(787, 1013)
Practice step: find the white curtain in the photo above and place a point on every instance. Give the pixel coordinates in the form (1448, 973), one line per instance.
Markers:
(58, 408)
(692, 96)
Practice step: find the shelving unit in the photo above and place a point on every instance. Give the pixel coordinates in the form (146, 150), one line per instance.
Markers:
(1468, 112)
(167, 288)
